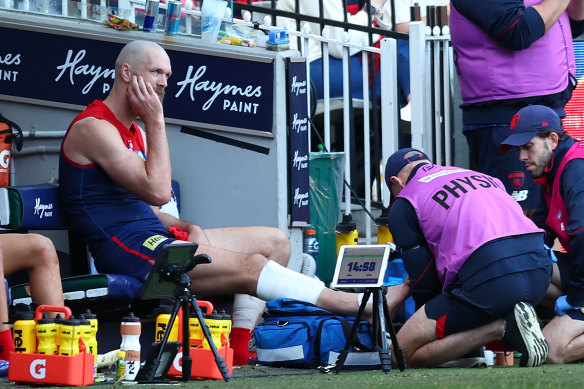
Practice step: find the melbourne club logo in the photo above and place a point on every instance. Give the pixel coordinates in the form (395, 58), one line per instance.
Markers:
(514, 121)
(517, 179)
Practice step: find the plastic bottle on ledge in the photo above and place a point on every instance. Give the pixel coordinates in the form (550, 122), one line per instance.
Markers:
(310, 243)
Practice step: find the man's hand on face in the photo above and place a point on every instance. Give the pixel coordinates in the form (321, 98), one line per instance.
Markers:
(144, 101)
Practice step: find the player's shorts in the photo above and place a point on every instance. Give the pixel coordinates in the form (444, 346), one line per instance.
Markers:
(483, 142)
(132, 254)
(480, 297)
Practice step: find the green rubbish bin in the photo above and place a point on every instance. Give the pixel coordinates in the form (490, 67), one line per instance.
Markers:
(326, 186)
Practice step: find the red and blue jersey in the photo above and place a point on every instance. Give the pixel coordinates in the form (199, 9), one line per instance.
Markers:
(104, 214)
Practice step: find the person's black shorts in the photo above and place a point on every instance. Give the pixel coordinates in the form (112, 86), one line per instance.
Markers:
(483, 142)
(483, 294)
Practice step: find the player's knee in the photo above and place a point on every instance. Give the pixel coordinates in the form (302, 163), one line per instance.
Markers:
(253, 264)
(44, 250)
(280, 246)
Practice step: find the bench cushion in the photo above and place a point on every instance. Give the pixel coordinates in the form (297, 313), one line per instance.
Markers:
(89, 286)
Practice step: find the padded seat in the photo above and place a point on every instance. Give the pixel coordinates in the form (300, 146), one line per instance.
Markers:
(88, 286)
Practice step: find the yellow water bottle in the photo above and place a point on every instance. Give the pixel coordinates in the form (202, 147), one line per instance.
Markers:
(58, 321)
(225, 328)
(346, 232)
(214, 322)
(70, 334)
(383, 234)
(85, 330)
(163, 315)
(46, 330)
(24, 333)
(92, 341)
(195, 331)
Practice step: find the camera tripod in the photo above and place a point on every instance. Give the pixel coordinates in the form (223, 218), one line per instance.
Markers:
(184, 299)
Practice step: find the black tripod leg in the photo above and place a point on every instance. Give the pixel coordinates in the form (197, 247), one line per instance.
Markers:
(345, 352)
(187, 361)
(221, 365)
(384, 354)
(397, 350)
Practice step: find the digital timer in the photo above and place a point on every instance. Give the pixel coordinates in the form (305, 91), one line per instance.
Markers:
(361, 266)
(365, 266)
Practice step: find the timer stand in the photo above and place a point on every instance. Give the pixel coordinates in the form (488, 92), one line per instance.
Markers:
(381, 318)
(363, 267)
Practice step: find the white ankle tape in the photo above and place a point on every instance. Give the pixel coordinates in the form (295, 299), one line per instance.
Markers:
(276, 281)
(246, 311)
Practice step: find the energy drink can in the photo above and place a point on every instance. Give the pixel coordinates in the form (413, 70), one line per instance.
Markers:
(173, 9)
(151, 16)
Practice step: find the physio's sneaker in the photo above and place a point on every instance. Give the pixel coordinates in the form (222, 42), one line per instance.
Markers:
(524, 334)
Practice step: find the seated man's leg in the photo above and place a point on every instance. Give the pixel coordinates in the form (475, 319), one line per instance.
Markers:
(253, 274)
(36, 254)
(270, 242)
(565, 337)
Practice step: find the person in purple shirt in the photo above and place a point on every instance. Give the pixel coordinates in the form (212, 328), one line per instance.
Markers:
(476, 264)
(556, 160)
(510, 54)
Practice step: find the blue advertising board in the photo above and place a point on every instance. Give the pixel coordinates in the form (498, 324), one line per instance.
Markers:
(299, 130)
(212, 91)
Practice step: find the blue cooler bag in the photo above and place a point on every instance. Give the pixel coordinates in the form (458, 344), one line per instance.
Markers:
(299, 334)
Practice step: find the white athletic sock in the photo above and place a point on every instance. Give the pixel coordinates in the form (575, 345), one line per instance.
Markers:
(246, 311)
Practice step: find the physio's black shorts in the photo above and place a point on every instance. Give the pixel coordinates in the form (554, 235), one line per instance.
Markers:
(483, 142)
(482, 294)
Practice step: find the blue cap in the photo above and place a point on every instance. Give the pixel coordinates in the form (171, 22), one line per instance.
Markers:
(397, 161)
(527, 123)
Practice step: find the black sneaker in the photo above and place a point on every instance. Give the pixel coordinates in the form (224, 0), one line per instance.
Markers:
(524, 334)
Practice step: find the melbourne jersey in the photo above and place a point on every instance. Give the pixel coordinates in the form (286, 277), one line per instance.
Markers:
(101, 211)
(459, 210)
